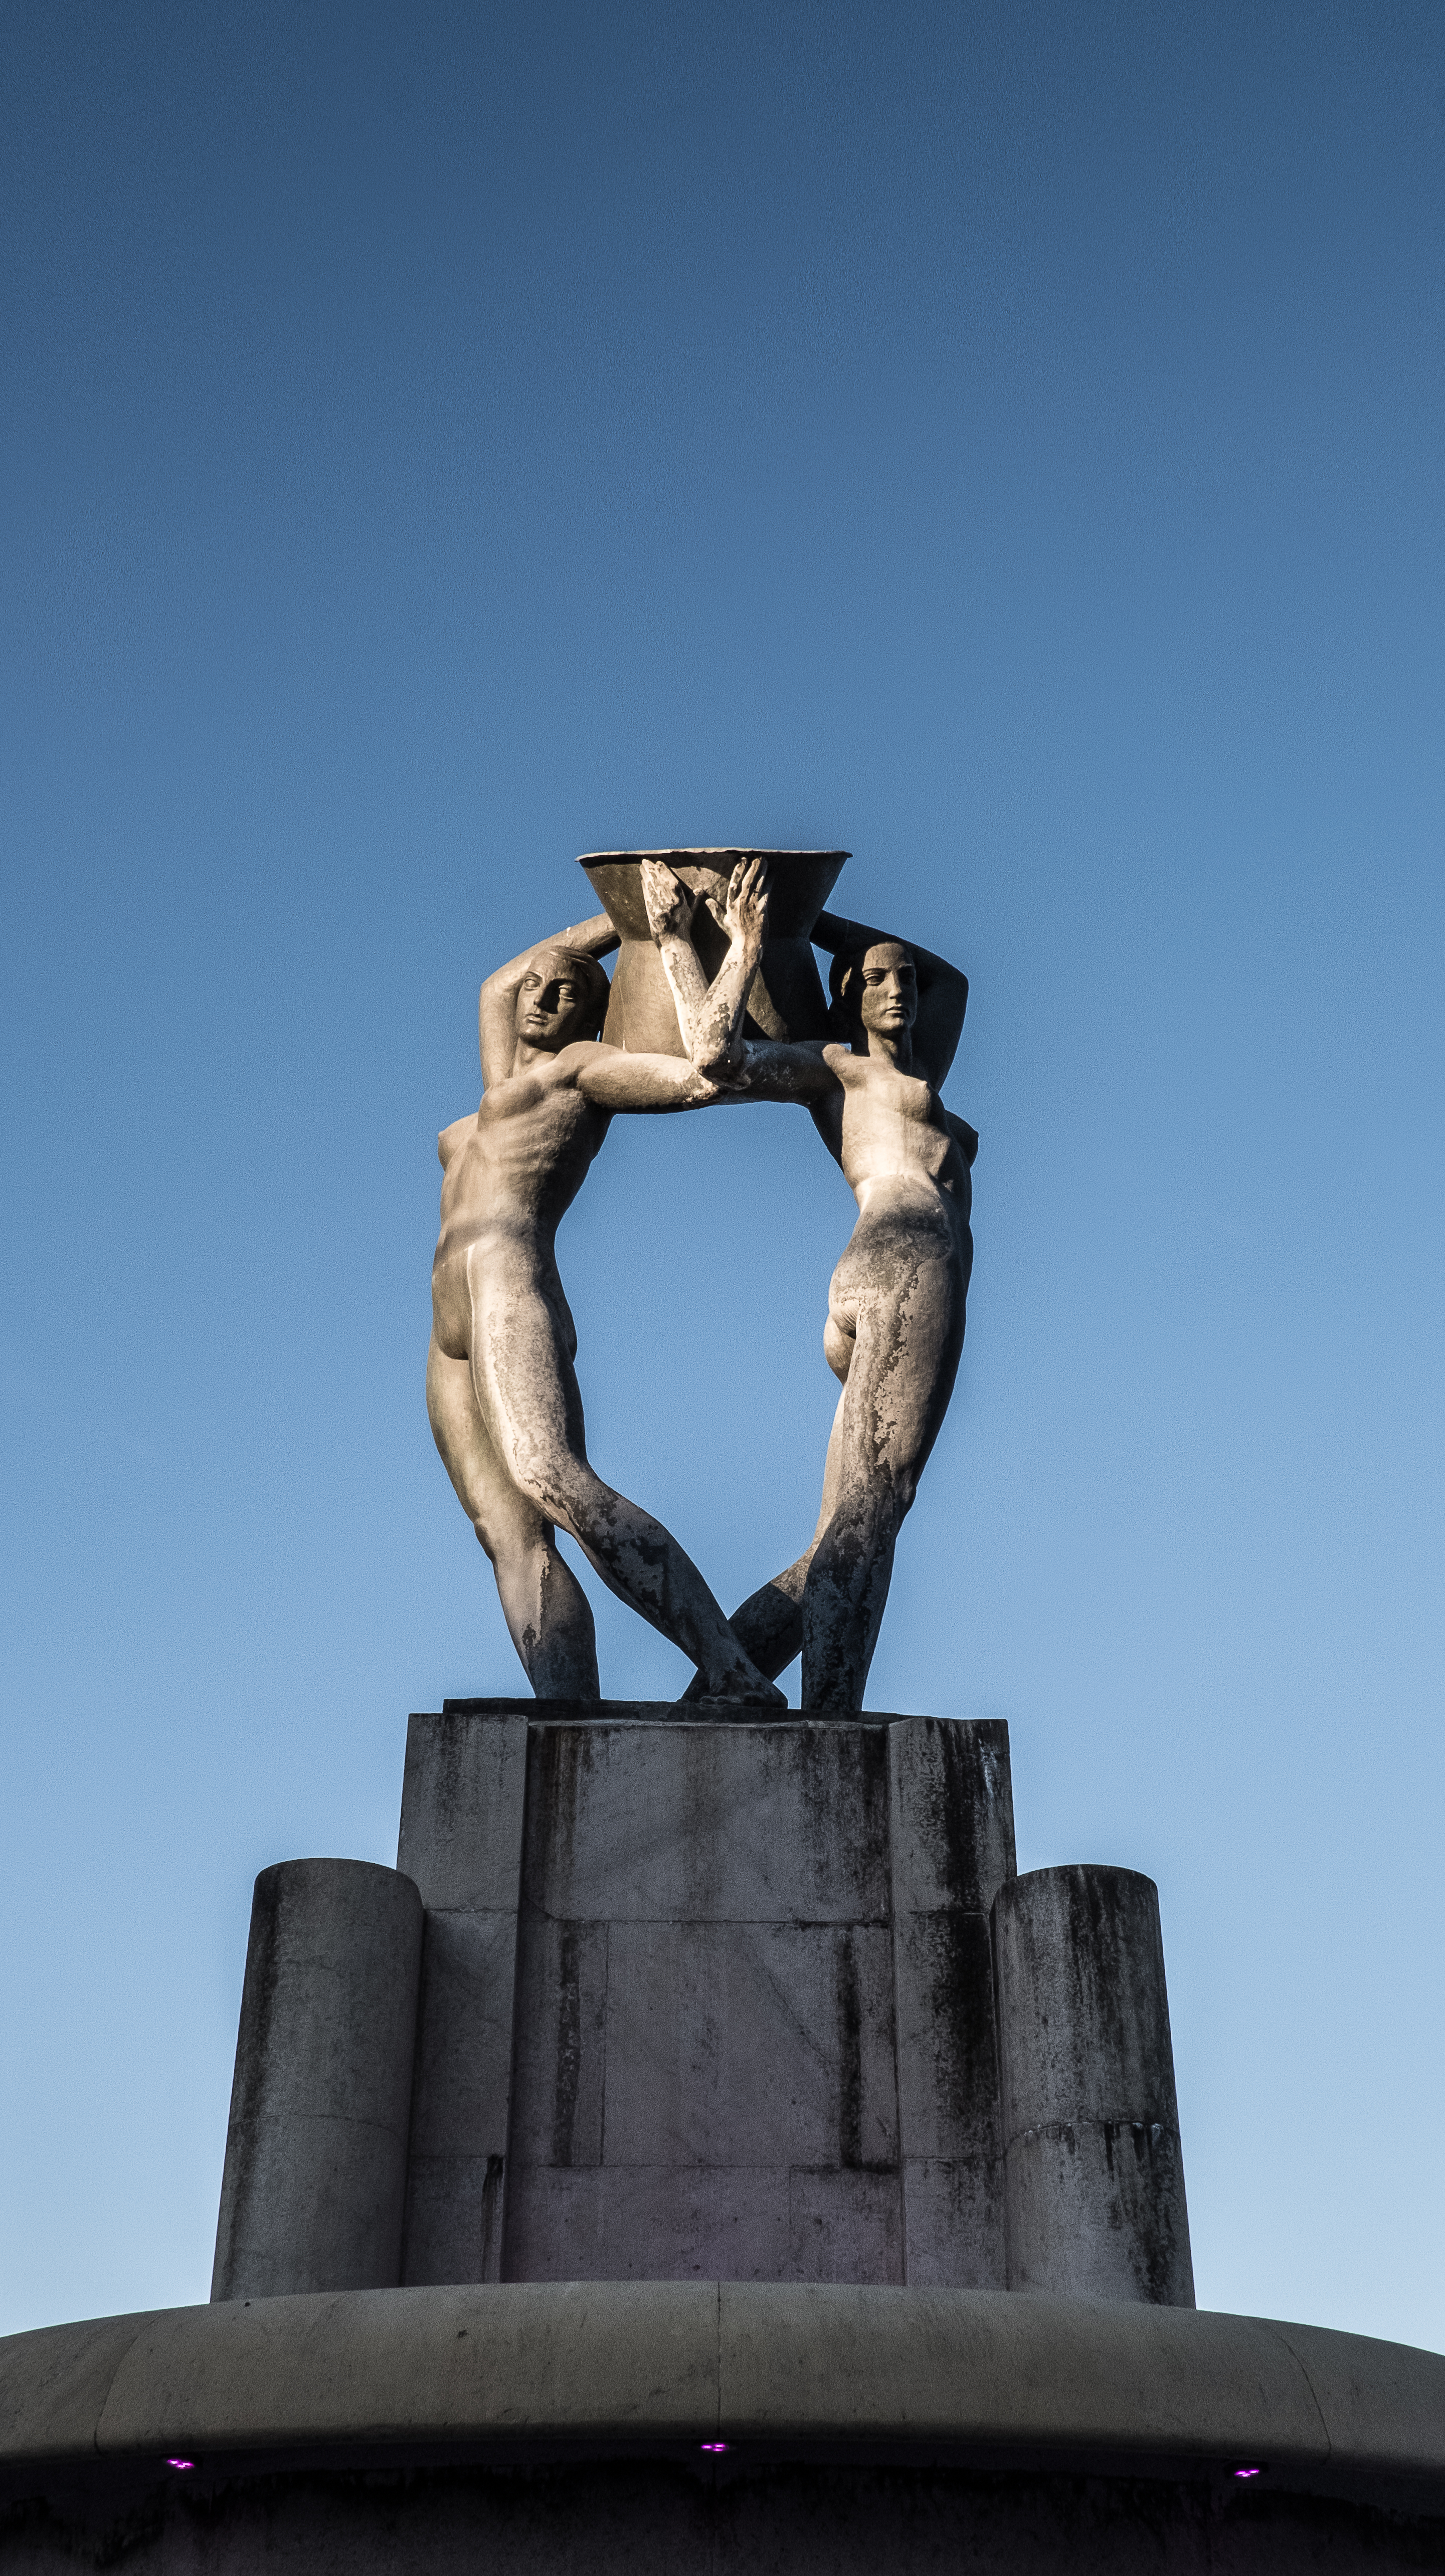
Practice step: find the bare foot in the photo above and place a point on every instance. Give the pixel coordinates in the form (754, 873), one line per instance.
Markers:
(740, 1684)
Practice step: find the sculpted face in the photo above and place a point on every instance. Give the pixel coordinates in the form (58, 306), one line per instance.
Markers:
(885, 990)
(558, 1001)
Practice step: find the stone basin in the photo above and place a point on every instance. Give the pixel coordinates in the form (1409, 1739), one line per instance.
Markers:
(787, 1001)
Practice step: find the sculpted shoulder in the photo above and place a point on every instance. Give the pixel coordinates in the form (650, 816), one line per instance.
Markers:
(515, 1097)
(913, 1093)
(519, 1092)
(861, 1072)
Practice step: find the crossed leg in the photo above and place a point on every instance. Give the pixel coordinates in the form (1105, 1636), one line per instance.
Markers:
(527, 1396)
(899, 1292)
(547, 1612)
(894, 1334)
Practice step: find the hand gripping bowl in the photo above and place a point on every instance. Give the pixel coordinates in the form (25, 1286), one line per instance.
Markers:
(787, 999)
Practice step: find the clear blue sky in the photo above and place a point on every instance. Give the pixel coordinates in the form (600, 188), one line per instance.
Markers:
(1002, 440)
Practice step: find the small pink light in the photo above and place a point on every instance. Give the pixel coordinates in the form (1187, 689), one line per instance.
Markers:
(714, 2446)
(180, 2464)
(1246, 2473)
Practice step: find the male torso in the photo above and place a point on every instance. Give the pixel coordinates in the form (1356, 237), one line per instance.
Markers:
(511, 1173)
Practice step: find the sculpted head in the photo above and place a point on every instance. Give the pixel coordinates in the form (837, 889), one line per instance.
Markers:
(875, 992)
(562, 997)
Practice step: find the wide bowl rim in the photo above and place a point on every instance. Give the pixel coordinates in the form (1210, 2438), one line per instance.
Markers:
(721, 850)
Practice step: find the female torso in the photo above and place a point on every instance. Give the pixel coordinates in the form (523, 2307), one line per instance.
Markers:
(896, 1143)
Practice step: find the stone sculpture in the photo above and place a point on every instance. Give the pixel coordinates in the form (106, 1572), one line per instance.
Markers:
(786, 999)
(896, 1303)
(502, 1391)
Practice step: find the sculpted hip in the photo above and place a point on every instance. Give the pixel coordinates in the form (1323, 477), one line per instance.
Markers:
(901, 1232)
(910, 1250)
(488, 1277)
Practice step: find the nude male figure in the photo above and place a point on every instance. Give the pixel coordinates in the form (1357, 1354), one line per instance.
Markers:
(896, 1303)
(502, 1392)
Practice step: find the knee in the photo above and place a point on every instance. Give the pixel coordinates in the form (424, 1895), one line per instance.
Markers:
(511, 1539)
(870, 1515)
(537, 1490)
(553, 1490)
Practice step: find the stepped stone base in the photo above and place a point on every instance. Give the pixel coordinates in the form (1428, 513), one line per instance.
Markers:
(668, 1994)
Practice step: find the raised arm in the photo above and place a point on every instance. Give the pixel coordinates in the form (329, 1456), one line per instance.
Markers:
(710, 1016)
(497, 1003)
(942, 989)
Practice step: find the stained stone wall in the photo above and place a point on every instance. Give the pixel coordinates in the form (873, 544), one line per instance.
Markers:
(705, 1999)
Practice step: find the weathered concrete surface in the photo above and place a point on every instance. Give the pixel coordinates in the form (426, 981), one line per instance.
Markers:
(704, 2075)
(313, 2192)
(951, 1841)
(561, 2363)
(461, 1841)
(656, 2518)
(912, 2429)
(1094, 2176)
(751, 2030)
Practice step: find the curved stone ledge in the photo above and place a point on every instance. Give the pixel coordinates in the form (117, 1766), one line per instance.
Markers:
(562, 2370)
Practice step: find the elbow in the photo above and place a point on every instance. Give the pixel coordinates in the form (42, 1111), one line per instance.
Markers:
(720, 1064)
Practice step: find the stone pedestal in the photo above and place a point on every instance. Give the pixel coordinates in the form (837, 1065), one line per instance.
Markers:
(660, 2145)
(705, 2000)
(655, 1994)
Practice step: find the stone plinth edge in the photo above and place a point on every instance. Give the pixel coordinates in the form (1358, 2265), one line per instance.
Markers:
(571, 2369)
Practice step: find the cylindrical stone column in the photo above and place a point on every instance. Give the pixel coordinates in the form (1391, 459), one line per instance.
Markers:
(1093, 2176)
(314, 2190)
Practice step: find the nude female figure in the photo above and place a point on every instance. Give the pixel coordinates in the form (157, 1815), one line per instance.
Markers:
(896, 1303)
(502, 1391)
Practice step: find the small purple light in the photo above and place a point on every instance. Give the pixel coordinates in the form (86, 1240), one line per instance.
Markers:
(1246, 2473)
(714, 2446)
(180, 2464)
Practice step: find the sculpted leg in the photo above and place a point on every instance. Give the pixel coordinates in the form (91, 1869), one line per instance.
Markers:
(547, 1612)
(846, 1594)
(528, 1394)
(907, 1319)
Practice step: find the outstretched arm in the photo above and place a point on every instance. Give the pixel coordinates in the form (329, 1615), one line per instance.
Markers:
(710, 1016)
(614, 1080)
(942, 989)
(497, 1005)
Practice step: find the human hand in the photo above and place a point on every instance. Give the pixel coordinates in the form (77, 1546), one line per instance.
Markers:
(669, 904)
(745, 914)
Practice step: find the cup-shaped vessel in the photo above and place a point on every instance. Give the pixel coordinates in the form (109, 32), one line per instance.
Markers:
(787, 999)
